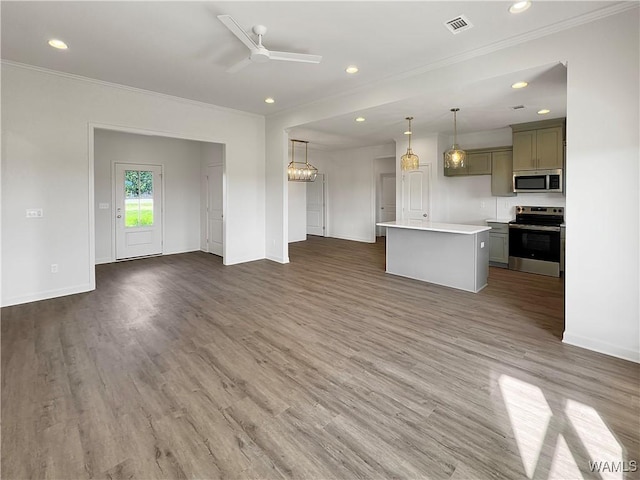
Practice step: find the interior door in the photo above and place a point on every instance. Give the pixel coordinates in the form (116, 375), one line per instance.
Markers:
(215, 177)
(316, 206)
(415, 194)
(387, 211)
(138, 212)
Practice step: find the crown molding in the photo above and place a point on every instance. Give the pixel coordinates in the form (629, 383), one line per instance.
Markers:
(613, 9)
(128, 88)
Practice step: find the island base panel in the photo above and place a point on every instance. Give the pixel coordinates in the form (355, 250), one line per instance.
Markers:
(453, 260)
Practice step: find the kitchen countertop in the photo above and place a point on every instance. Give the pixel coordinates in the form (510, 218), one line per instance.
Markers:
(499, 220)
(435, 226)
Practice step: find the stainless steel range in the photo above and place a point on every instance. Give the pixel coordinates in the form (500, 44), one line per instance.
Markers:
(534, 240)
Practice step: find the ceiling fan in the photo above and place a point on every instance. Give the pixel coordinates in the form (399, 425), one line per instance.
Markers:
(259, 53)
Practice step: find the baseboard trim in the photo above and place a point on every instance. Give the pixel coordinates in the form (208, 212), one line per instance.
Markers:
(601, 347)
(236, 261)
(101, 261)
(46, 295)
(277, 259)
(354, 239)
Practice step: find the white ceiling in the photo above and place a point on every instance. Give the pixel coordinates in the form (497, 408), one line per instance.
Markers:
(182, 49)
(486, 105)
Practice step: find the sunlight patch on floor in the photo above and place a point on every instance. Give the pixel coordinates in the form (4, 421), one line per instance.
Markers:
(553, 434)
(596, 438)
(563, 465)
(529, 414)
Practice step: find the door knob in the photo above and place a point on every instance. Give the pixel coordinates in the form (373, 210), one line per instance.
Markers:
(424, 215)
(381, 208)
(119, 216)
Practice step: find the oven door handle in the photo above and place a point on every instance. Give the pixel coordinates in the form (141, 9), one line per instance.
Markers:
(544, 228)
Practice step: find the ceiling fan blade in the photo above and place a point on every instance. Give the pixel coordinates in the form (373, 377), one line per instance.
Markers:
(239, 66)
(237, 30)
(294, 57)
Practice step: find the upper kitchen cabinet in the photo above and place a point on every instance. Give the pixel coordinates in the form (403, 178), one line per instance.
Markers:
(538, 145)
(502, 173)
(478, 162)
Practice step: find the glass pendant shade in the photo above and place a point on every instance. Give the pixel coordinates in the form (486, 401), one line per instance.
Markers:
(409, 161)
(298, 171)
(455, 157)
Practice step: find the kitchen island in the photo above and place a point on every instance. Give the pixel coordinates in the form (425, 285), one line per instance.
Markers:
(448, 254)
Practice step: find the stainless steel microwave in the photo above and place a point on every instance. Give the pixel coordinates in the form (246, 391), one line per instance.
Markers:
(532, 181)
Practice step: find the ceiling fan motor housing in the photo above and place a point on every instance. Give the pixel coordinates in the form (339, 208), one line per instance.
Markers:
(260, 55)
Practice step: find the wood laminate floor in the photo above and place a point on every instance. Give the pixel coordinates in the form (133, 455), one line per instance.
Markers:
(179, 367)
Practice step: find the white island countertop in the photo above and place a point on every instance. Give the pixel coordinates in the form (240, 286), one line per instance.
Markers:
(435, 226)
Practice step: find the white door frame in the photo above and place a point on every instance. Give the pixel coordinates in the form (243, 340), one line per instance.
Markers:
(223, 164)
(114, 198)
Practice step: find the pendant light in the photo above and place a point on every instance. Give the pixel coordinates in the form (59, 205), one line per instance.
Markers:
(455, 157)
(298, 171)
(409, 161)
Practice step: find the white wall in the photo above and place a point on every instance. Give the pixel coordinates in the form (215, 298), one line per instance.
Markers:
(351, 192)
(351, 178)
(297, 193)
(47, 162)
(210, 154)
(180, 160)
(297, 211)
(603, 185)
(602, 290)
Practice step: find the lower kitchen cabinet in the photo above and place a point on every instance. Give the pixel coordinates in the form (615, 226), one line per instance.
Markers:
(499, 244)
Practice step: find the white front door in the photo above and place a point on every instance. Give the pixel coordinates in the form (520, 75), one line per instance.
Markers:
(215, 197)
(387, 211)
(138, 212)
(415, 194)
(315, 206)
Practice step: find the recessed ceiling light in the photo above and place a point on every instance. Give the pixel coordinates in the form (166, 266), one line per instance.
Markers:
(59, 44)
(269, 100)
(544, 111)
(519, 85)
(351, 69)
(519, 7)
(360, 119)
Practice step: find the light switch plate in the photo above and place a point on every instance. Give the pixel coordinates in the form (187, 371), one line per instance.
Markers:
(481, 244)
(103, 206)
(34, 213)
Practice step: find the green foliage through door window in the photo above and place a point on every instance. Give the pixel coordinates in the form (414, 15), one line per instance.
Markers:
(138, 188)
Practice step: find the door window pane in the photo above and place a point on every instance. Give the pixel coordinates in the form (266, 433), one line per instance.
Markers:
(138, 188)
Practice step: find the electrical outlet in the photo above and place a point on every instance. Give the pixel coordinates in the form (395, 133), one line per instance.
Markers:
(481, 244)
(34, 213)
(54, 268)
(482, 204)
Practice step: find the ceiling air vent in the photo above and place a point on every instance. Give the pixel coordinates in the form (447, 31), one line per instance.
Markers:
(518, 107)
(458, 24)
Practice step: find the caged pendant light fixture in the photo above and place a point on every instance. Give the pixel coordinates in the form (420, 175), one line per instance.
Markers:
(455, 157)
(409, 161)
(298, 171)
